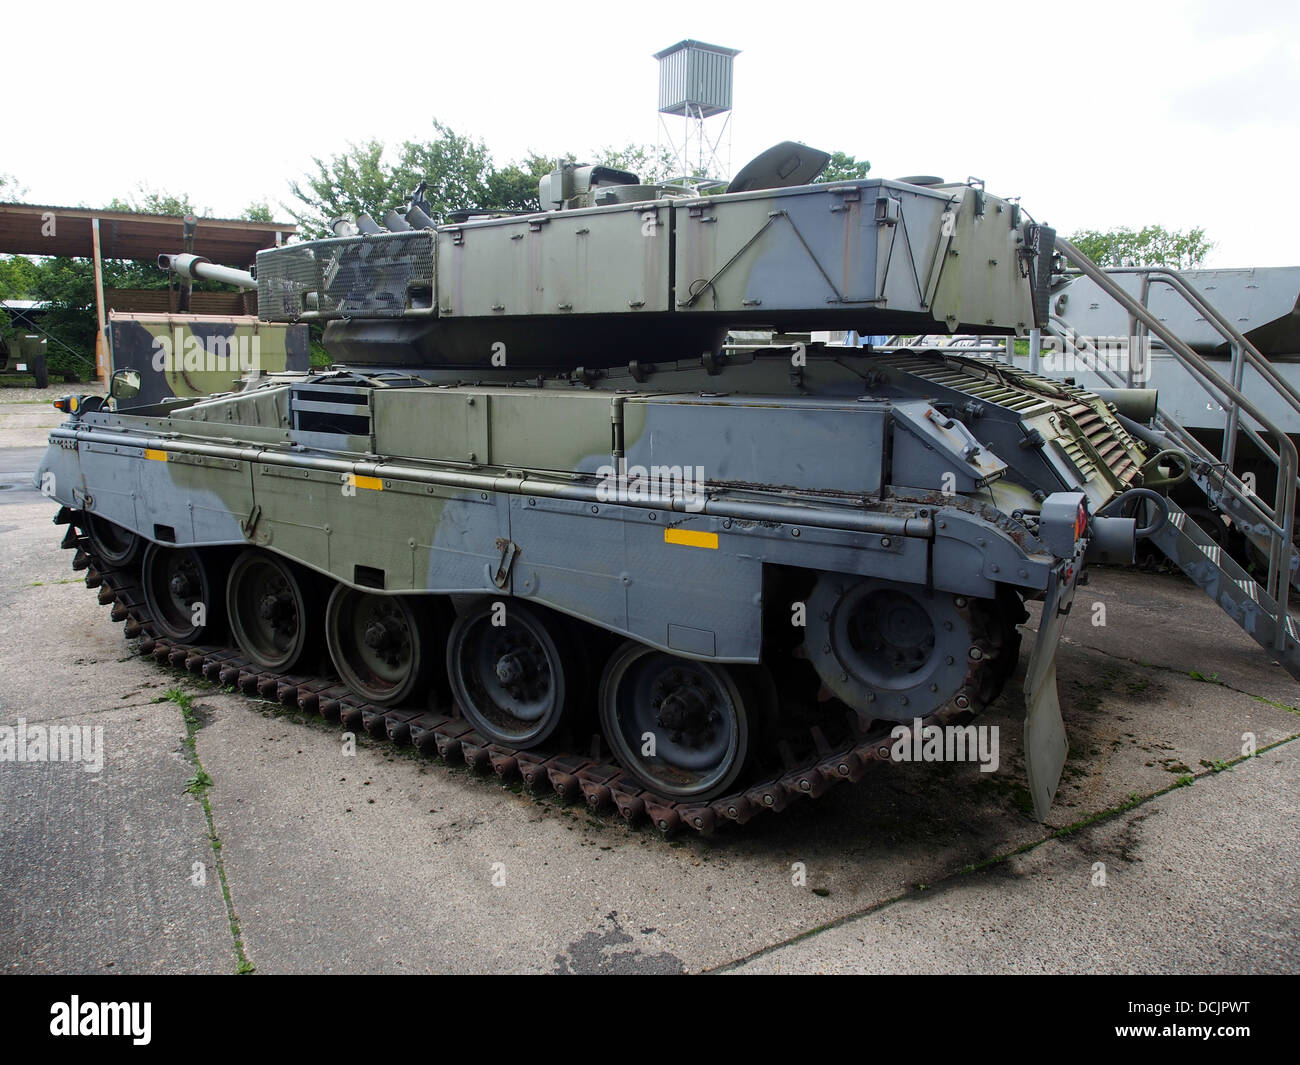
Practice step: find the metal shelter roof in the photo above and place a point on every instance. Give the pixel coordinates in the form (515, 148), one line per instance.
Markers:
(40, 229)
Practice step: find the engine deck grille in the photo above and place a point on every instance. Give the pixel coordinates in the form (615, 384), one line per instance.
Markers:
(1029, 395)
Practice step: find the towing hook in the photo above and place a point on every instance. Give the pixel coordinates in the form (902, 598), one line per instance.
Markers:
(1151, 469)
(1128, 504)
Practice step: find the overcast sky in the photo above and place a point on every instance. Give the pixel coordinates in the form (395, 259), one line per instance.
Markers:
(1097, 113)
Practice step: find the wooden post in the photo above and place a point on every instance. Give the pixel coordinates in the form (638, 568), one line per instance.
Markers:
(188, 224)
(101, 342)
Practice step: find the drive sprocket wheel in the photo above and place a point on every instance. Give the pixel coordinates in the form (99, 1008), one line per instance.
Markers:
(890, 651)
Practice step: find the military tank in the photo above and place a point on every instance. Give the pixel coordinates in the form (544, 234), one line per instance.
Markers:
(538, 517)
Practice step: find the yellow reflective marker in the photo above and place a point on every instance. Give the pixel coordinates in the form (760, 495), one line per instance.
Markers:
(375, 484)
(154, 455)
(691, 538)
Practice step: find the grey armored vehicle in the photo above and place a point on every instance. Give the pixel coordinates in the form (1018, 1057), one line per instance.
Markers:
(537, 518)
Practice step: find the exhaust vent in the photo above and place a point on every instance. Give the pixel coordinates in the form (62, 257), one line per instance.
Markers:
(332, 418)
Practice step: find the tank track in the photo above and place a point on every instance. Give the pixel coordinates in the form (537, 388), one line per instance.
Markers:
(572, 775)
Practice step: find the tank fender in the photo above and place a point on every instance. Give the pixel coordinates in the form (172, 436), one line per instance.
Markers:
(59, 477)
(972, 555)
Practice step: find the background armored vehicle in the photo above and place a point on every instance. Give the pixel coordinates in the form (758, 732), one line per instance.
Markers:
(193, 355)
(536, 518)
(24, 353)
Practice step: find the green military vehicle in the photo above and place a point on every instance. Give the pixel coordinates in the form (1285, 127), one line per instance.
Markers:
(189, 356)
(535, 518)
(24, 354)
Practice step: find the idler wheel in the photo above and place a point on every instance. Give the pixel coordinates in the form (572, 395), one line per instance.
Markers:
(385, 647)
(181, 588)
(116, 547)
(681, 727)
(271, 608)
(513, 671)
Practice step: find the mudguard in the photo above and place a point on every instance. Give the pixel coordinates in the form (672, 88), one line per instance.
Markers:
(1045, 742)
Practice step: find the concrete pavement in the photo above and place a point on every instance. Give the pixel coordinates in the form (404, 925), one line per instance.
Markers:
(381, 860)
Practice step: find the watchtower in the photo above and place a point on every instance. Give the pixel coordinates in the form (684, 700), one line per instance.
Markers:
(695, 85)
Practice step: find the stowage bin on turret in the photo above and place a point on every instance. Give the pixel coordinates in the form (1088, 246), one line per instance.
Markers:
(620, 271)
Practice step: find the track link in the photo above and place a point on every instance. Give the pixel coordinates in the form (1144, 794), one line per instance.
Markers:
(598, 783)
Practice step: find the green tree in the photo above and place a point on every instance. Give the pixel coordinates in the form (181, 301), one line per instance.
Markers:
(456, 167)
(17, 282)
(18, 276)
(153, 201)
(10, 190)
(68, 286)
(1148, 246)
(652, 163)
(514, 187)
(372, 178)
(369, 179)
(354, 182)
(258, 211)
(844, 167)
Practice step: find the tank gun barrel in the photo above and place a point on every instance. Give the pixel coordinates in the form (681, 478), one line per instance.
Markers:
(197, 268)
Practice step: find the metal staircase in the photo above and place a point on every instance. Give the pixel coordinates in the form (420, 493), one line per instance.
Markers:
(1260, 610)
(1217, 574)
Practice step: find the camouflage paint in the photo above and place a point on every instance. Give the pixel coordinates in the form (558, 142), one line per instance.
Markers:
(419, 514)
(190, 356)
(663, 278)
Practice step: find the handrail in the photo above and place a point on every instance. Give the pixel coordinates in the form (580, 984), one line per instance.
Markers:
(1288, 460)
(1175, 280)
(1242, 350)
(1064, 329)
(1254, 507)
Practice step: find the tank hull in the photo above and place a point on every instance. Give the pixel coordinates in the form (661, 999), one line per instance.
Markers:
(735, 526)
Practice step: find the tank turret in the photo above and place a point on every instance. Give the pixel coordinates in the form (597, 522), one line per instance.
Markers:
(613, 270)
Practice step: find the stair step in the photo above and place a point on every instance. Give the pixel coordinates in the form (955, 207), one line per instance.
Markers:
(1217, 574)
